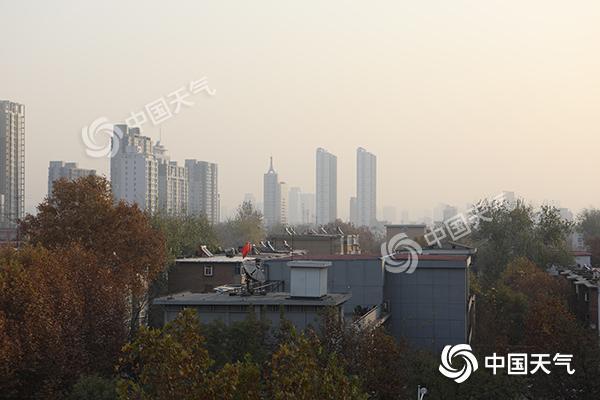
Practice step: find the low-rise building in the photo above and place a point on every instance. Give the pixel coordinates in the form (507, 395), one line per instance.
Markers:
(585, 292)
(429, 308)
(304, 305)
(203, 274)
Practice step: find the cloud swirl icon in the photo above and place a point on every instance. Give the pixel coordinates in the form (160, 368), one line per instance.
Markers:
(98, 128)
(401, 243)
(463, 351)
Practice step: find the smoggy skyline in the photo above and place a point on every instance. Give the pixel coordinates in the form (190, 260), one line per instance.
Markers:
(458, 100)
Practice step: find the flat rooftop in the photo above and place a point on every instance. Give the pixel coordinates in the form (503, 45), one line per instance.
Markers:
(443, 256)
(269, 299)
(215, 259)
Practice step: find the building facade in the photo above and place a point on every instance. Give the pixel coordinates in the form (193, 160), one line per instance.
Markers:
(308, 208)
(326, 187)
(69, 171)
(295, 206)
(203, 189)
(429, 308)
(366, 188)
(271, 197)
(134, 169)
(172, 183)
(12, 163)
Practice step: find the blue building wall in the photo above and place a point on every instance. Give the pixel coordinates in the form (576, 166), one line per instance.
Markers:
(428, 308)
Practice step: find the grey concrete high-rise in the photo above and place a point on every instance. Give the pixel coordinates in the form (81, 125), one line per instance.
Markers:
(133, 168)
(366, 187)
(172, 183)
(203, 189)
(307, 206)
(295, 206)
(69, 171)
(326, 187)
(12, 163)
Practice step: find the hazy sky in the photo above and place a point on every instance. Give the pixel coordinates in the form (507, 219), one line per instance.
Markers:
(458, 99)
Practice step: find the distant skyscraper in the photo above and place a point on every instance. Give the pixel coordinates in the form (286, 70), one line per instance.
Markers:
(172, 183)
(69, 171)
(353, 211)
(283, 203)
(326, 187)
(271, 197)
(295, 206)
(12, 163)
(133, 169)
(308, 208)
(203, 189)
(366, 187)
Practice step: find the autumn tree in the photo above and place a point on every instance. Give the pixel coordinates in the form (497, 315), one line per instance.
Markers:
(300, 369)
(173, 363)
(120, 236)
(63, 318)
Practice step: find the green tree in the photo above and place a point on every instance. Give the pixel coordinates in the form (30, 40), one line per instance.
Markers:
(300, 369)
(246, 226)
(184, 234)
(506, 234)
(588, 223)
(93, 387)
(173, 363)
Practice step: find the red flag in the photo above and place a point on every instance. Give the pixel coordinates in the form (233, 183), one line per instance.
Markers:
(246, 249)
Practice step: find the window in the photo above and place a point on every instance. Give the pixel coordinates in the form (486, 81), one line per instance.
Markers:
(208, 270)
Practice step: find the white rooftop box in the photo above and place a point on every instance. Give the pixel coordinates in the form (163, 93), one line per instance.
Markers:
(308, 278)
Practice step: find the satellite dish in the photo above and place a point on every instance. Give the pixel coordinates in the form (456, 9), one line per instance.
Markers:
(252, 271)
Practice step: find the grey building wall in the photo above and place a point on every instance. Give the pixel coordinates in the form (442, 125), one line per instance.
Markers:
(429, 307)
(363, 278)
(300, 316)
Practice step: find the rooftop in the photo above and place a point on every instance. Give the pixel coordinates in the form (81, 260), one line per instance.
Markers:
(215, 259)
(359, 257)
(276, 298)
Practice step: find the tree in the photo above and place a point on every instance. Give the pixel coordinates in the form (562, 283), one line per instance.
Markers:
(184, 234)
(506, 234)
(588, 223)
(93, 387)
(83, 213)
(246, 226)
(301, 370)
(173, 363)
(63, 316)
